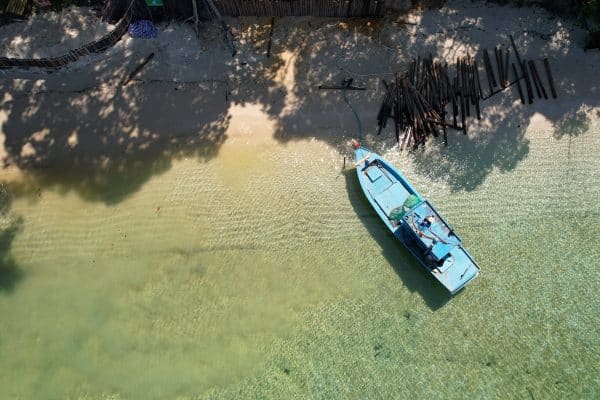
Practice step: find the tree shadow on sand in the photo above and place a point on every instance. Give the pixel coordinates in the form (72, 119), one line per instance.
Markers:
(82, 130)
(572, 124)
(103, 140)
(370, 50)
(412, 274)
(10, 226)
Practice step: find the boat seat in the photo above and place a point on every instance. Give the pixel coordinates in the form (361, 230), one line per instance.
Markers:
(394, 196)
(374, 173)
(447, 263)
(441, 250)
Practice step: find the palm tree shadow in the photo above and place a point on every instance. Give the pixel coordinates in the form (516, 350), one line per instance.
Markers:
(406, 267)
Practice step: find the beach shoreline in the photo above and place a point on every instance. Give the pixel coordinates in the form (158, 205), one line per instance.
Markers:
(193, 93)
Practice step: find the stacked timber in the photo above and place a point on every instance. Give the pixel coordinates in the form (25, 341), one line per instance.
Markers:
(416, 101)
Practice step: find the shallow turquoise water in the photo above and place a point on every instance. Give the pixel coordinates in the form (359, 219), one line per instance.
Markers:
(200, 285)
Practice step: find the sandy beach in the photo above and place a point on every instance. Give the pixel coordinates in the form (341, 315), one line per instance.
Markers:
(194, 234)
(190, 97)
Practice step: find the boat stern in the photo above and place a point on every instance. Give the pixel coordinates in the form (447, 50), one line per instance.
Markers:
(457, 270)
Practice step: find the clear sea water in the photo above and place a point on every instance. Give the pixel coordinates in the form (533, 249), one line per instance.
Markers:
(263, 273)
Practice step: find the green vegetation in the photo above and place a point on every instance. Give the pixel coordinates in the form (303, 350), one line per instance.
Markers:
(591, 8)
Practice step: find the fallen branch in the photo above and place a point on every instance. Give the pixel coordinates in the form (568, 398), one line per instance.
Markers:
(270, 37)
(138, 69)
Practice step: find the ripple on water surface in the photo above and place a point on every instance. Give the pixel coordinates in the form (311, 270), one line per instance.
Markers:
(265, 271)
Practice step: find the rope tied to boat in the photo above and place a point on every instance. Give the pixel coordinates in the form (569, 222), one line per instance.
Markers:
(345, 85)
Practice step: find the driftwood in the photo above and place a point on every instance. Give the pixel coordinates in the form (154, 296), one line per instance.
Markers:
(270, 37)
(346, 85)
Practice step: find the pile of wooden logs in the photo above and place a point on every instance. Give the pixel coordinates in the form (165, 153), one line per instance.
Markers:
(417, 99)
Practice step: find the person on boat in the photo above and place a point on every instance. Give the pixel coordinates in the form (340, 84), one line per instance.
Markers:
(424, 235)
(425, 224)
(428, 220)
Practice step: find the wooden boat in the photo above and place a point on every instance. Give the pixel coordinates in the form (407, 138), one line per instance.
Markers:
(414, 221)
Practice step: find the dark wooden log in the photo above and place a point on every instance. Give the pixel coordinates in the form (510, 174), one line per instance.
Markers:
(518, 84)
(461, 96)
(512, 41)
(498, 53)
(474, 93)
(519, 61)
(538, 79)
(335, 87)
(407, 133)
(549, 75)
(533, 78)
(505, 69)
(465, 88)
(479, 91)
(454, 102)
(489, 70)
(527, 82)
(270, 37)
(500, 90)
(386, 108)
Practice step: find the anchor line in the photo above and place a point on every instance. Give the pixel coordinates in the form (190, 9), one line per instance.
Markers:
(344, 87)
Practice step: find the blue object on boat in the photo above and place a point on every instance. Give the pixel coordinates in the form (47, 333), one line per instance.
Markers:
(142, 29)
(414, 221)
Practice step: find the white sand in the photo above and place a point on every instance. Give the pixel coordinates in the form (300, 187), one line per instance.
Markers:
(194, 87)
(50, 34)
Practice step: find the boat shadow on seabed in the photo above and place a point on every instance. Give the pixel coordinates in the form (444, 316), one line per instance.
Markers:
(405, 265)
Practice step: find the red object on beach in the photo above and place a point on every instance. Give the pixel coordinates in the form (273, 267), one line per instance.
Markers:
(42, 3)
